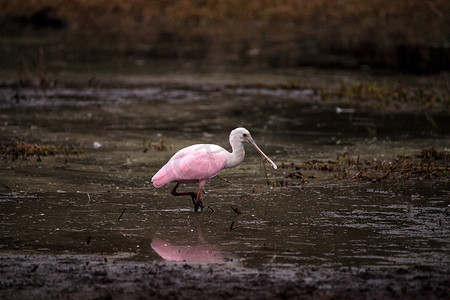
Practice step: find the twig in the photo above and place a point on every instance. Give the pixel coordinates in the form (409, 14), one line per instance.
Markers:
(120, 217)
(357, 165)
(232, 226)
(360, 173)
(5, 185)
(435, 10)
(236, 210)
(226, 180)
(389, 172)
(429, 175)
(211, 208)
(34, 268)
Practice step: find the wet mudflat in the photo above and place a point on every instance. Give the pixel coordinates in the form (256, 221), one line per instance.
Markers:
(92, 277)
(100, 203)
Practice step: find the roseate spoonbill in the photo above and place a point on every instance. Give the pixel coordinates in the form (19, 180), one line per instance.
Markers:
(198, 163)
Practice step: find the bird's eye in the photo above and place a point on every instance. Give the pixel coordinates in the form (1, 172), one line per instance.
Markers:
(245, 135)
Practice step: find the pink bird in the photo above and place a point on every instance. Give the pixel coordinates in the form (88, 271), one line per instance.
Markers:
(198, 163)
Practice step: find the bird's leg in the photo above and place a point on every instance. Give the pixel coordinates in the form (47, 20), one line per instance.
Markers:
(192, 194)
(195, 196)
(198, 203)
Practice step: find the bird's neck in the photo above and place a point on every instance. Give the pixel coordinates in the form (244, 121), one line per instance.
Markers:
(237, 155)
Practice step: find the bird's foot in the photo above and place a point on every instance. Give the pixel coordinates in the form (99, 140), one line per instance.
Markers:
(198, 205)
(194, 197)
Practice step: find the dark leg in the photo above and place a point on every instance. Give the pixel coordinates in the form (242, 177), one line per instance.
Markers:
(197, 203)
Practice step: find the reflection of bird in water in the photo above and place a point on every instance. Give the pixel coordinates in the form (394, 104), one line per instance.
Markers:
(198, 163)
(199, 252)
(204, 254)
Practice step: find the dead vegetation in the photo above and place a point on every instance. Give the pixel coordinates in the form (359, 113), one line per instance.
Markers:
(40, 77)
(429, 95)
(25, 150)
(159, 145)
(430, 163)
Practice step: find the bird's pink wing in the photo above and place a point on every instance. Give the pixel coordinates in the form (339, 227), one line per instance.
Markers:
(192, 164)
(199, 165)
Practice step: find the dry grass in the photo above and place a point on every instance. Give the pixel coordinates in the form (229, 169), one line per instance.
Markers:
(429, 95)
(25, 150)
(158, 145)
(429, 163)
(41, 77)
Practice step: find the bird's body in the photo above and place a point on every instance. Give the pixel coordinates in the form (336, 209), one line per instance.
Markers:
(198, 163)
(192, 164)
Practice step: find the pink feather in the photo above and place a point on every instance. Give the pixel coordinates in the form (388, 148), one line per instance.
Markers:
(192, 164)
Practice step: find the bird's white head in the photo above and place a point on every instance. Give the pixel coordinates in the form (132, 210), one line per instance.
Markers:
(242, 135)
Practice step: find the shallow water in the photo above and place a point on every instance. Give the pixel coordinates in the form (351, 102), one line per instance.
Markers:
(102, 201)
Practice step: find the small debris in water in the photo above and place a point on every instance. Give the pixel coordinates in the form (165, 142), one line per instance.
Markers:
(232, 226)
(340, 110)
(236, 210)
(96, 145)
(120, 217)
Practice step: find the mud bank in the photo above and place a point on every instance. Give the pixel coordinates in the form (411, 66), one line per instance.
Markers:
(95, 277)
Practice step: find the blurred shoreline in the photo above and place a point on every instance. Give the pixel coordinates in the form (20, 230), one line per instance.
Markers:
(405, 36)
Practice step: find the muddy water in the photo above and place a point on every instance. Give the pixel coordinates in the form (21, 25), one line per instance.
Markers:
(102, 201)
